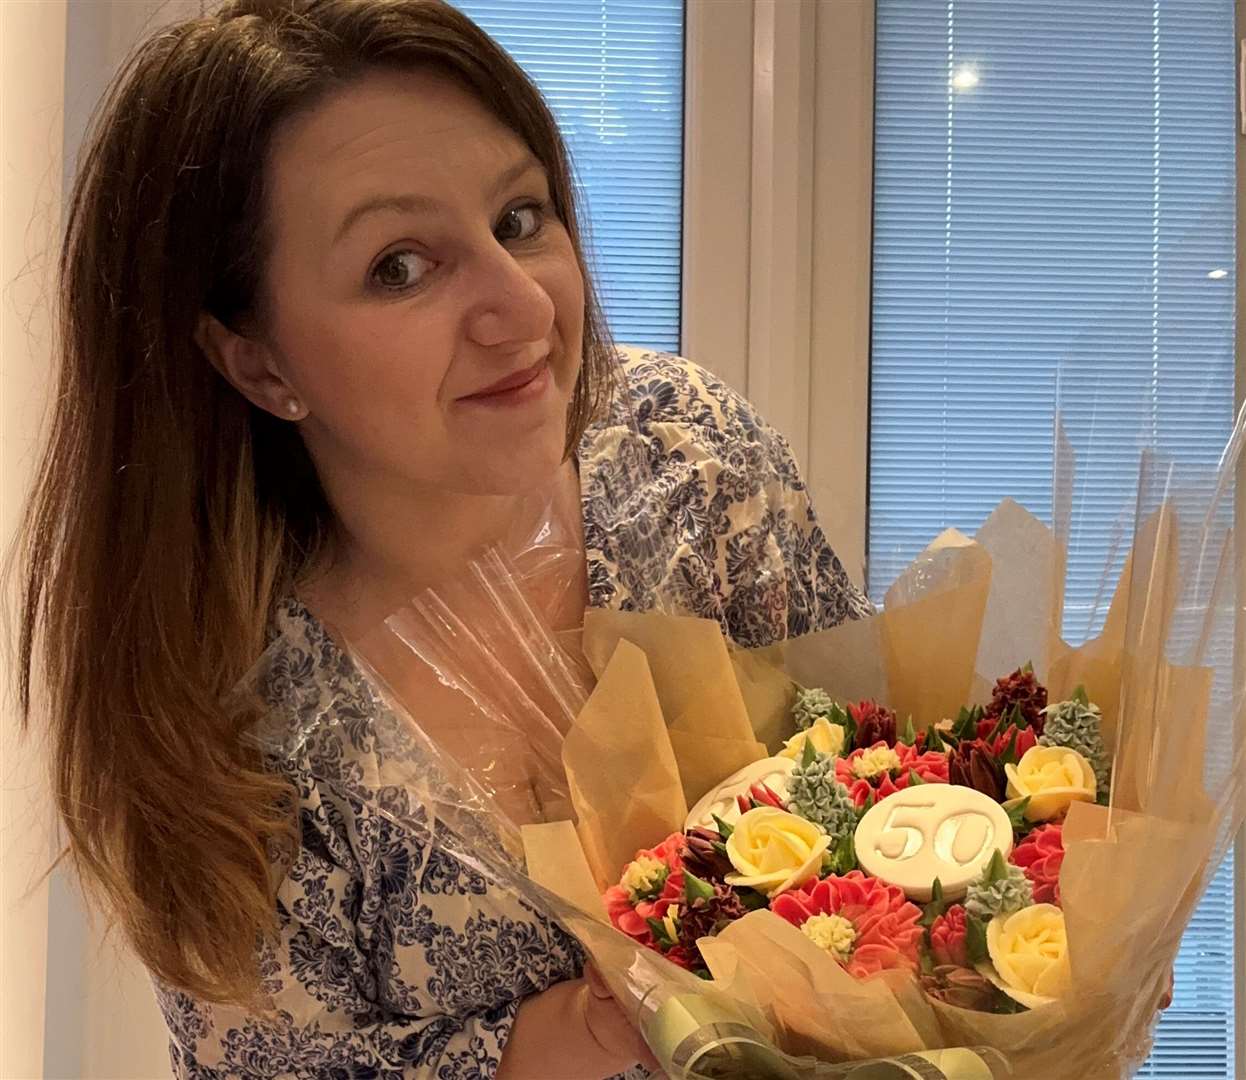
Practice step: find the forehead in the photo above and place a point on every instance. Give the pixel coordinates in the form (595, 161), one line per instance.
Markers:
(418, 133)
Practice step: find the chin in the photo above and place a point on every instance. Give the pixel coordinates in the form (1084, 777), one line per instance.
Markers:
(516, 470)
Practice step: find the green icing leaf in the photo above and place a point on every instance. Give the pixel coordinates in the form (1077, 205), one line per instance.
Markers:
(809, 755)
(842, 717)
(997, 869)
(695, 888)
(841, 859)
(975, 940)
(966, 726)
(937, 906)
(1016, 814)
(752, 899)
(846, 854)
(908, 736)
(658, 928)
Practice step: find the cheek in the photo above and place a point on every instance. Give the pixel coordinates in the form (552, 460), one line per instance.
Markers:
(365, 366)
(569, 302)
(565, 287)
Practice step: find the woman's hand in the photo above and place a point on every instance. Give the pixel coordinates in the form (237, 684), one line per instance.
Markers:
(609, 1025)
(573, 1031)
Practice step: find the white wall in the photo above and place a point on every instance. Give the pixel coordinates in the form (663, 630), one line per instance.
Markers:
(32, 59)
(73, 1003)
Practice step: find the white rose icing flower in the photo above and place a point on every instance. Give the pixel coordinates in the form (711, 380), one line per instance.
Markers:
(1052, 778)
(1029, 952)
(827, 738)
(773, 850)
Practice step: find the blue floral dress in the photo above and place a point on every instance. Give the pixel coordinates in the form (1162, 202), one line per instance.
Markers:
(397, 960)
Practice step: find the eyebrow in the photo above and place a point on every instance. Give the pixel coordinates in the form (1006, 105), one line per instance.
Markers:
(417, 204)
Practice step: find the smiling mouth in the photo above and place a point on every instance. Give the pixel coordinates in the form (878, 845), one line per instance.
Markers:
(511, 383)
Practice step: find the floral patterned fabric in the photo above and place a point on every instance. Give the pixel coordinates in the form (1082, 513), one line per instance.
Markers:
(395, 959)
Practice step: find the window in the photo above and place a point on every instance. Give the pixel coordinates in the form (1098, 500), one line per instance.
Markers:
(612, 70)
(1054, 220)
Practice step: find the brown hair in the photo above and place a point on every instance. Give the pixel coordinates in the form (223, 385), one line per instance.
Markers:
(169, 513)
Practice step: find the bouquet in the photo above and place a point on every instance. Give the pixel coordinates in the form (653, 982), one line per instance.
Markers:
(860, 849)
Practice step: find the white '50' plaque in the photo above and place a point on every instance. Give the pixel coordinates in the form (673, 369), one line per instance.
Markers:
(932, 831)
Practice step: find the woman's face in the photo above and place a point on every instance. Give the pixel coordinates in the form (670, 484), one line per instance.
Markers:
(424, 303)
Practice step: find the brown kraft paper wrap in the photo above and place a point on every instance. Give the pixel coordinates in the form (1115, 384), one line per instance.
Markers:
(1131, 875)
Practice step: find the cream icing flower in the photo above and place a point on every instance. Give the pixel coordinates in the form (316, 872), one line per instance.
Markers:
(833, 933)
(643, 879)
(1051, 777)
(827, 738)
(1029, 952)
(773, 850)
(875, 761)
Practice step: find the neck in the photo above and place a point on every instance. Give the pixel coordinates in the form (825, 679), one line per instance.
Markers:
(390, 544)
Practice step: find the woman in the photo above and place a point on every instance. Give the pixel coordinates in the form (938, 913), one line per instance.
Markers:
(326, 331)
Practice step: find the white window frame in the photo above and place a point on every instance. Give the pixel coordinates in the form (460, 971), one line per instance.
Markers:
(778, 179)
(777, 256)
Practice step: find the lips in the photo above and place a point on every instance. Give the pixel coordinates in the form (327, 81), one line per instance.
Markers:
(512, 382)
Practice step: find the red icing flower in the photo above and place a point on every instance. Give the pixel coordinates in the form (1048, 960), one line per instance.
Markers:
(1040, 855)
(1022, 690)
(687, 958)
(886, 926)
(875, 723)
(863, 772)
(947, 938)
(759, 795)
(630, 915)
(1026, 738)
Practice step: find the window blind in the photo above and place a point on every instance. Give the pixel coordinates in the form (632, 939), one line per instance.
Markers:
(612, 71)
(1054, 221)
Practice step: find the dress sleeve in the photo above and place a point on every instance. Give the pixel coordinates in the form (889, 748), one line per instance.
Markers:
(819, 591)
(394, 960)
(779, 567)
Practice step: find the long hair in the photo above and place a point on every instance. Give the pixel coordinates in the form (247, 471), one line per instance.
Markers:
(170, 514)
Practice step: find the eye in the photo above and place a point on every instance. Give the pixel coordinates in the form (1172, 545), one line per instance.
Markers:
(400, 270)
(520, 223)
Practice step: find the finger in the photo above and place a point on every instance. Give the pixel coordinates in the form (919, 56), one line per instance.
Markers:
(596, 984)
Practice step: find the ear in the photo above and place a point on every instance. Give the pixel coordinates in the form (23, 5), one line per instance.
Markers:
(250, 367)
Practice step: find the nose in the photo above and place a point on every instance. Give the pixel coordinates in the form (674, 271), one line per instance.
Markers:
(510, 306)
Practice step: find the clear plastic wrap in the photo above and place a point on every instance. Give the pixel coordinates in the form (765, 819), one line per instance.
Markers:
(376, 753)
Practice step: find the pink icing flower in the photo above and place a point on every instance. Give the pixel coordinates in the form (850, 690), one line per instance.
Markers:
(885, 927)
(947, 938)
(857, 772)
(1040, 855)
(630, 914)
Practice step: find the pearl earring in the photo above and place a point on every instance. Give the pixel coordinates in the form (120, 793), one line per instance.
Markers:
(294, 409)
